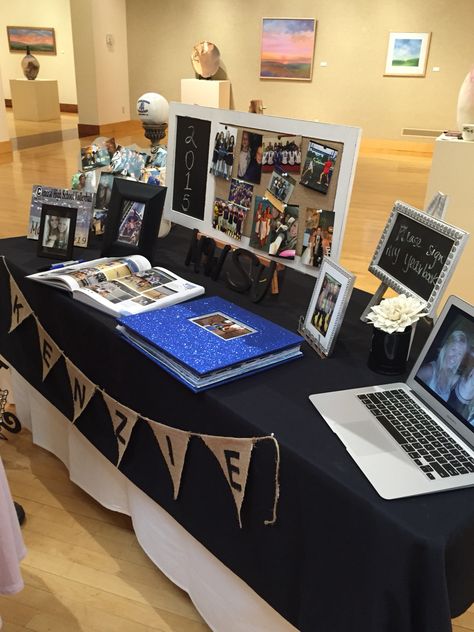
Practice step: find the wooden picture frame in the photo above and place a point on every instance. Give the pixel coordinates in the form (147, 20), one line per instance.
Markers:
(41, 40)
(287, 48)
(56, 232)
(133, 218)
(327, 306)
(407, 54)
(417, 254)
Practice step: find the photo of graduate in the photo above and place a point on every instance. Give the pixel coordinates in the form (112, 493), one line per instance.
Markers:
(249, 165)
(325, 304)
(318, 167)
(317, 236)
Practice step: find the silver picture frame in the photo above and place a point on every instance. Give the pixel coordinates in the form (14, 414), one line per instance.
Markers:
(327, 307)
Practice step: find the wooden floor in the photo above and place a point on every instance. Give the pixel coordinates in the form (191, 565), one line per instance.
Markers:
(84, 570)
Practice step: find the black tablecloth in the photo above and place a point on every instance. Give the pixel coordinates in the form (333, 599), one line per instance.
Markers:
(340, 557)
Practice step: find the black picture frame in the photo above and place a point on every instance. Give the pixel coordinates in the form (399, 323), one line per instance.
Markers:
(53, 242)
(133, 219)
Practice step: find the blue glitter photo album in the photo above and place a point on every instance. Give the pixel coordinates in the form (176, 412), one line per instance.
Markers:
(209, 341)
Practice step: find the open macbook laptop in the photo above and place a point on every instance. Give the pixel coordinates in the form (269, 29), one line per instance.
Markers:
(418, 437)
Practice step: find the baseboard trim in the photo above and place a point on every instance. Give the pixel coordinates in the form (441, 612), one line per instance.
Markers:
(119, 128)
(64, 107)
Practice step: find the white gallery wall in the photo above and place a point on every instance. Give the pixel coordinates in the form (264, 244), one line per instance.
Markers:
(348, 86)
(50, 13)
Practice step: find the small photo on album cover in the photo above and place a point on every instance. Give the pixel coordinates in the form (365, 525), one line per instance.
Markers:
(240, 193)
(283, 152)
(223, 153)
(222, 325)
(318, 167)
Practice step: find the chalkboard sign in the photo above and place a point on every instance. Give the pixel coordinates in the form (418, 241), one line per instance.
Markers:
(417, 253)
(190, 166)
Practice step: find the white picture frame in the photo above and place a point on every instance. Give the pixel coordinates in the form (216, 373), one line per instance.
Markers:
(407, 54)
(327, 306)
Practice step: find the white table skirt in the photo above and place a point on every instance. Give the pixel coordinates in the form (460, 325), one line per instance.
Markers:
(226, 602)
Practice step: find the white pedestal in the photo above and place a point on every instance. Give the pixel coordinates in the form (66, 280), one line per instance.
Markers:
(36, 100)
(206, 92)
(451, 173)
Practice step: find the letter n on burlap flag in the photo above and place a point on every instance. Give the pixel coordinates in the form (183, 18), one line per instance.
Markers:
(123, 421)
(173, 445)
(49, 350)
(234, 458)
(82, 388)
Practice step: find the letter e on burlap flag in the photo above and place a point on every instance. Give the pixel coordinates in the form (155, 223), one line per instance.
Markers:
(50, 352)
(82, 388)
(123, 420)
(234, 458)
(173, 445)
(19, 305)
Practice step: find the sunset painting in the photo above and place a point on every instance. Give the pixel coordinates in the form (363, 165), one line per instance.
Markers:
(287, 48)
(40, 40)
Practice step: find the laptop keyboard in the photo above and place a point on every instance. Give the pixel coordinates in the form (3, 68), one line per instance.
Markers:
(425, 442)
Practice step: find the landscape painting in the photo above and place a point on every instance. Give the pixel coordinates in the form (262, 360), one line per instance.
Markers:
(407, 54)
(287, 48)
(39, 40)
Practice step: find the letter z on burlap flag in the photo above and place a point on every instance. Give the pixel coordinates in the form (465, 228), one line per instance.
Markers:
(234, 458)
(82, 388)
(123, 421)
(20, 308)
(173, 445)
(49, 350)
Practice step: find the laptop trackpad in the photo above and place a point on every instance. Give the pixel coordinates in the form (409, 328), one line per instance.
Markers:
(364, 438)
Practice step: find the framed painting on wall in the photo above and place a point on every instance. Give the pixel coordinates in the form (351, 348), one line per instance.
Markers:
(407, 54)
(39, 39)
(287, 48)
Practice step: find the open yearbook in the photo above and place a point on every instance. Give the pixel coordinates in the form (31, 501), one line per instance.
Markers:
(121, 285)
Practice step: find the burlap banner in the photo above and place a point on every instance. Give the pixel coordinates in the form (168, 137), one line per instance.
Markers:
(82, 388)
(123, 420)
(233, 456)
(173, 445)
(20, 308)
(49, 350)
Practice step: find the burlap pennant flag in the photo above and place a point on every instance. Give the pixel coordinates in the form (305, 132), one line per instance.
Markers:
(82, 388)
(234, 458)
(20, 308)
(173, 445)
(50, 352)
(123, 420)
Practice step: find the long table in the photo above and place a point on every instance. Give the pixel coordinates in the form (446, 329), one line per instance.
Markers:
(339, 557)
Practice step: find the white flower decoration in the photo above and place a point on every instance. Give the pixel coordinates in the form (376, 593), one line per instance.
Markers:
(396, 314)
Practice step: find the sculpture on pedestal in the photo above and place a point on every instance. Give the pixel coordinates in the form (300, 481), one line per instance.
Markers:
(30, 65)
(465, 109)
(205, 59)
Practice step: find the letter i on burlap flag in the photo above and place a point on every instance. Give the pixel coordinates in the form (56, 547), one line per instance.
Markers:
(173, 445)
(234, 458)
(50, 352)
(82, 388)
(19, 305)
(123, 421)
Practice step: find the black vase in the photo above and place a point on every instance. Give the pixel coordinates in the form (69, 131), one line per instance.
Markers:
(30, 65)
(389, 352)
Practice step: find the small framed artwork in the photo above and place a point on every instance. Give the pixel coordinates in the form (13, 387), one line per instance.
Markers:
(407, 54)
(56, 232)
(327, 307)
(287, 48)
(38, 39)
(133, 218)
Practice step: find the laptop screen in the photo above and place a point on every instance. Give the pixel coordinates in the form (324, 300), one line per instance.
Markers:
(447, 369)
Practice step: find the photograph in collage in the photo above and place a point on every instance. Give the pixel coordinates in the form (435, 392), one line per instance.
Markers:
(249, 166)
(318, 167)
(228, 218)
(283, 152)
(317, 239)
(223, 152)
(280, 188)
(241, 193)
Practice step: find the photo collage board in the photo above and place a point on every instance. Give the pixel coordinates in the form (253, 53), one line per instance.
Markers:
(274, 191)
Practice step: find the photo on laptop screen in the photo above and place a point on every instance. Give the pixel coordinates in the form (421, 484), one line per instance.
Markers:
(447, 370)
